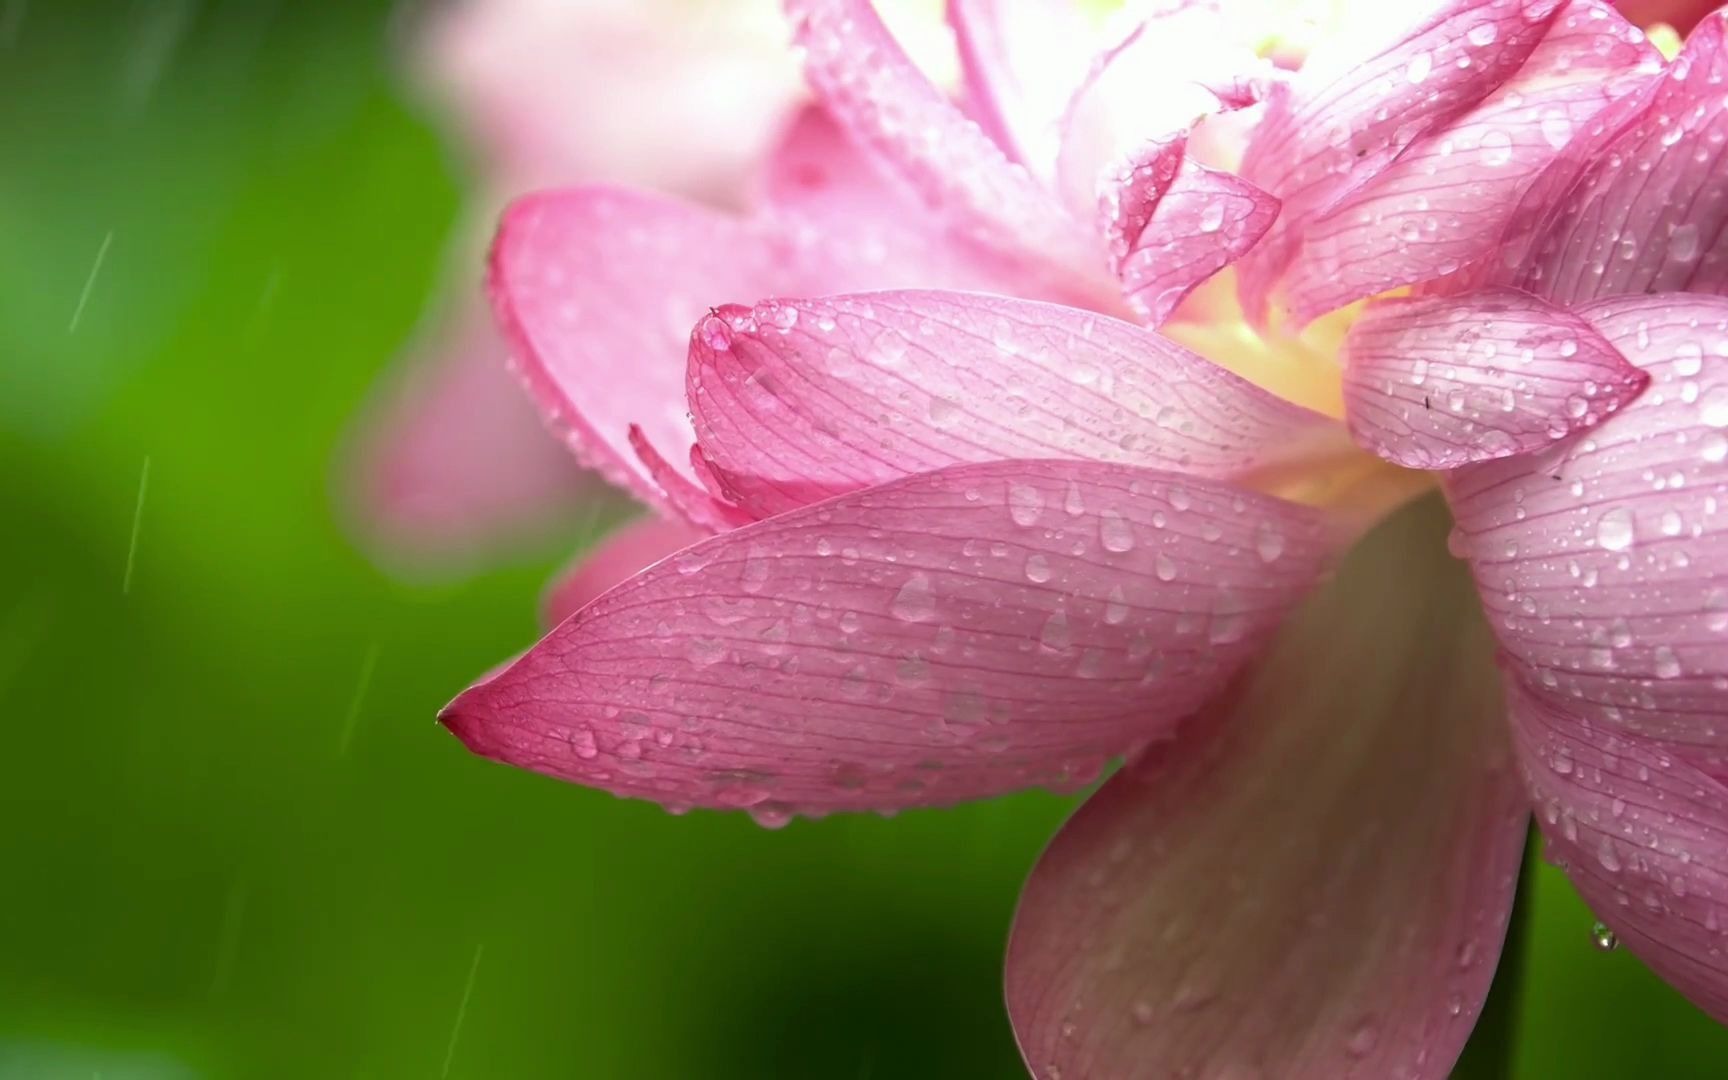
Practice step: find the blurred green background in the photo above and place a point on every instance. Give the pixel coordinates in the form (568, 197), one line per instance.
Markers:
(233, 842)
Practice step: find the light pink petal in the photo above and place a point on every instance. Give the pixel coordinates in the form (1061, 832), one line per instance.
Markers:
(1174, 68)
(1439, 383)
(597, 289)
(679, 96)
(878, 94)
(1642, 833)
(799, 400)
(1640, 204)
(1445, 201)
(1171, 223)
(1312, 881)
(949, 636)
(1603, 561)
(1021, 61)
(860, 229)
(453, 460)
(1360, 101)
(633, 546)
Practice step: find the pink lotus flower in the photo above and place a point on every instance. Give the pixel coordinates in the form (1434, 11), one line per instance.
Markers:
(965, 542)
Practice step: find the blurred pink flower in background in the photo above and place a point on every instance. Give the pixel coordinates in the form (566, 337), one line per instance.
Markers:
(974, 530)
(676, 95)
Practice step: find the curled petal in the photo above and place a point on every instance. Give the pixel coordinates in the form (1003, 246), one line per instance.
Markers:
(796, 401)
(1445, 201)
(1312, 880)
(1358, 103)
(596, 289)
(1174, 68)
(1171, 223)
(1639, 204)
(689, 499)
(640, 543)
(866, 80)
(1643, 834)
(1601, 559)
(1439, 383)
(949, 636)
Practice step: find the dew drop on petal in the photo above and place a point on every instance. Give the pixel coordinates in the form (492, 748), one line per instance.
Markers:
(916, 600)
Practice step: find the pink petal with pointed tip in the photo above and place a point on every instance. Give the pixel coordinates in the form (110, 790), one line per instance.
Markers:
(1446, 200)
(1439, 383)
(949, 636)
(1603, 561)
(1360, 101)
(804, 399)
(865, 79)
(596, 288)
(1021, 61)
(1312, 881)
(1642, 833)
(1171, 223)
(453, 462)
(631, 547)
(1639, 205)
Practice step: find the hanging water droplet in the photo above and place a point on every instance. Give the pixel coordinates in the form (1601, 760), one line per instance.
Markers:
(1604, 938)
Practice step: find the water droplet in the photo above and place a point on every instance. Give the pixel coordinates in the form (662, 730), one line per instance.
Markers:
(582, 741)
(1211, 217)
(1115, 532)
(1713, 406)
(1496, 148)
(1269, 542)
(1025, 503)
(1667, 664)
(1419, 68)
(1037, 569)
(1482, 34)
(1116, 608)
(1164, 567)
(916, 600)
(1614, 529)
(942, 411)
(1604, 938)
(706, 651)
(1364, 1039)
(1056, 635)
